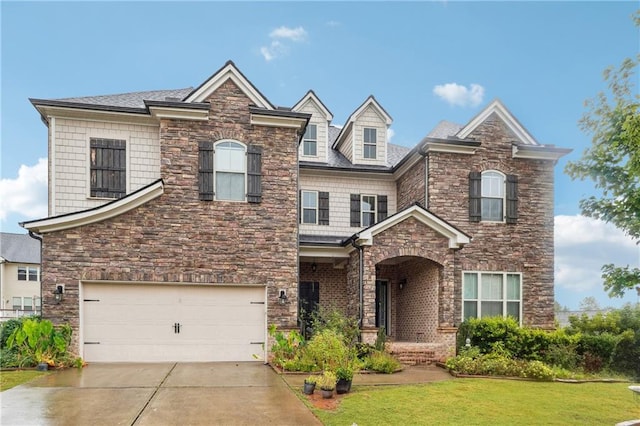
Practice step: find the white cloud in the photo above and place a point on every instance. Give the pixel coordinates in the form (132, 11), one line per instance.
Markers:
(582, 246)
(278, 46)
(293, 34)
(458, 95)
(333, 23)
(25, 195)
(390, 134)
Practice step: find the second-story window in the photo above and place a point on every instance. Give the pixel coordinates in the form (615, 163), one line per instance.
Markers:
(310, 141)
(108, 168)
(230, 167)
(492, 196)
(368, 210)
(27, 273)
(229, 171)
(370, 140)
(309, 207)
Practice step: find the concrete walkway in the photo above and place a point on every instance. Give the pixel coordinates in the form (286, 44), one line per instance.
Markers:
(410, 375)
(247, 393)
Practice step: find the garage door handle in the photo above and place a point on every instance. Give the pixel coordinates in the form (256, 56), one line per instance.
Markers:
(256, 343)
(176, 327)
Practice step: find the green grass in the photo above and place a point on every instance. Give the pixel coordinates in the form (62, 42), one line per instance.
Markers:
(486, 402)
(9, 379)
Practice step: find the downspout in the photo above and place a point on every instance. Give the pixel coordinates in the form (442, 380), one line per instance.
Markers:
(39, 238)
(360, 279)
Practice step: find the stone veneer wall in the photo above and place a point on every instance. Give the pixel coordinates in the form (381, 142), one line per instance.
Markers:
(525, 247)
(410, 186)
(177, 238)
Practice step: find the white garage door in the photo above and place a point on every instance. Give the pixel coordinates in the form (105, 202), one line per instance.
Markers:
(153, 323)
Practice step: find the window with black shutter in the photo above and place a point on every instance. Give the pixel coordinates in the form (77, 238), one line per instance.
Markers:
(493, 197)
(254, 174)
(355, 209)
(512, 199)
(108, 168)
(382, 207)
(205, 170)
(323, 208)
(475, 196)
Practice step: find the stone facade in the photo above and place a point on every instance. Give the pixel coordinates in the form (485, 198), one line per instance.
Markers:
(177, 238)
(410, 186)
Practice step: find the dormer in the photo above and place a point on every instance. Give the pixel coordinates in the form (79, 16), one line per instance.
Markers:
(363, 139)
(315, 143)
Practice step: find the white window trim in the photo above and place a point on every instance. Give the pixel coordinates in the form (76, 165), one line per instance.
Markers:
(314, 140)
(364, 143)
(504, 196)
(504, 292)
(317, 208)
(374, 211)
(215, 171)
(27, 270)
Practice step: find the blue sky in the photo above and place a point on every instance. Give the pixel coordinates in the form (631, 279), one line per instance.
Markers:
(423, 61)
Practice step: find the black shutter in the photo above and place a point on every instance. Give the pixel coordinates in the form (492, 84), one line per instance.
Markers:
(323, 208)
(355, 209)
(475, 196)
(300, 206)
(382, 207)
(512, 198)
(205, 170)
(254, 174)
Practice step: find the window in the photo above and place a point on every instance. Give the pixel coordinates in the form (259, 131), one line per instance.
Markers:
(108, 168)
(17, 303)
(490, 294)
(367, 210)
(493, 197)
(229, 171)
(314, 207)
(28, 303)
(310, 141)
(370, 140)
(309, 207)
(26, 273)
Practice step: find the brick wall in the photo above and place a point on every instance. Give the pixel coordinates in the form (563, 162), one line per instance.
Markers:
(332, 282)
(178, 238)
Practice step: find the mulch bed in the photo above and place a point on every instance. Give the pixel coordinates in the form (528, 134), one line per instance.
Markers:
(324, 404)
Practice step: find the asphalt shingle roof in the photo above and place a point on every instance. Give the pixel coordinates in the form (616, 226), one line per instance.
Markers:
(19, 248)
(445, 129)
(133, 99)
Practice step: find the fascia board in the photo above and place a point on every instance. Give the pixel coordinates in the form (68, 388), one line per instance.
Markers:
(99, 214)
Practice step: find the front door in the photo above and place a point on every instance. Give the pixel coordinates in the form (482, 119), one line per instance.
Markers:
(382, 320)
(308, 301)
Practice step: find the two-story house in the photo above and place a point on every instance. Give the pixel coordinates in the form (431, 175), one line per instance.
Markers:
(19, 275)
(182, 223)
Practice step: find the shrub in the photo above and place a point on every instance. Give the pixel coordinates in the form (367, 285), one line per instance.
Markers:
(327, 381)
(38, 341)
(563, 356)
(335, 320)
(326, 349)
(6, 328)
(382, 362)
(537, 370)
(285, 347)
(9, 358)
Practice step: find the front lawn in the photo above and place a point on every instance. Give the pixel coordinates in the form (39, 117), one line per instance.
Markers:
(9, 379)
(486, 402)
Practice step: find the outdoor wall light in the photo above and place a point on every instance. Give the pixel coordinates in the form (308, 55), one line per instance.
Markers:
(314, 267)
(58, 294)
(403, 283)
(282, 298)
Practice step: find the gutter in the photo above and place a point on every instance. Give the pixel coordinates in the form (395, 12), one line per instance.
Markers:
(39, 238)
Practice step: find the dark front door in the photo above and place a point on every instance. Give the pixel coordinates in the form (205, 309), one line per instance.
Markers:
(382, 305)
(308, 301)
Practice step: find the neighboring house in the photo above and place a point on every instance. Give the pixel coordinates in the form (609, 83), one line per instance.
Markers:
(183, 223)
(19, 275)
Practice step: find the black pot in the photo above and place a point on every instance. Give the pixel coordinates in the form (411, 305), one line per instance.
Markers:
(43, 366)
(343, 386)
(326, 394)
(308, 388)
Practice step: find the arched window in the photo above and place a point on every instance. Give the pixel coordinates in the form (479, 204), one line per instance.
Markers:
(230, 170)
(492, 196)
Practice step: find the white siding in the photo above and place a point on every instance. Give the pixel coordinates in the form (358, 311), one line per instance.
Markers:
(340, 189)
(370, 118)
(12, 287)
(317, 118)
(346, 148)
(71, 157)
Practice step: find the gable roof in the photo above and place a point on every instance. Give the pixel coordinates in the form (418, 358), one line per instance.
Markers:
(19, 248)
(97, 214)
(132, 99)
(228, 71)
(498, 108)
(310, 95)
(457, 238)
(370, 101)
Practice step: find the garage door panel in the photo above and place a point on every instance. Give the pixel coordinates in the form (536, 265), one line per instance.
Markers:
(128, 322)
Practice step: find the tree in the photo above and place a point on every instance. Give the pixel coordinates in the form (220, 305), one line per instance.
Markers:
(557, 307)
(613, 162)
(589, 303)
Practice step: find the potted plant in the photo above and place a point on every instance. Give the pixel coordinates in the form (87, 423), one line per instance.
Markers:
(327, 383)
(309, 384)
(344, 376)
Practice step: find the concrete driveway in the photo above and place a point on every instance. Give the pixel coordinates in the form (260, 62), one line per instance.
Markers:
(156, 394)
